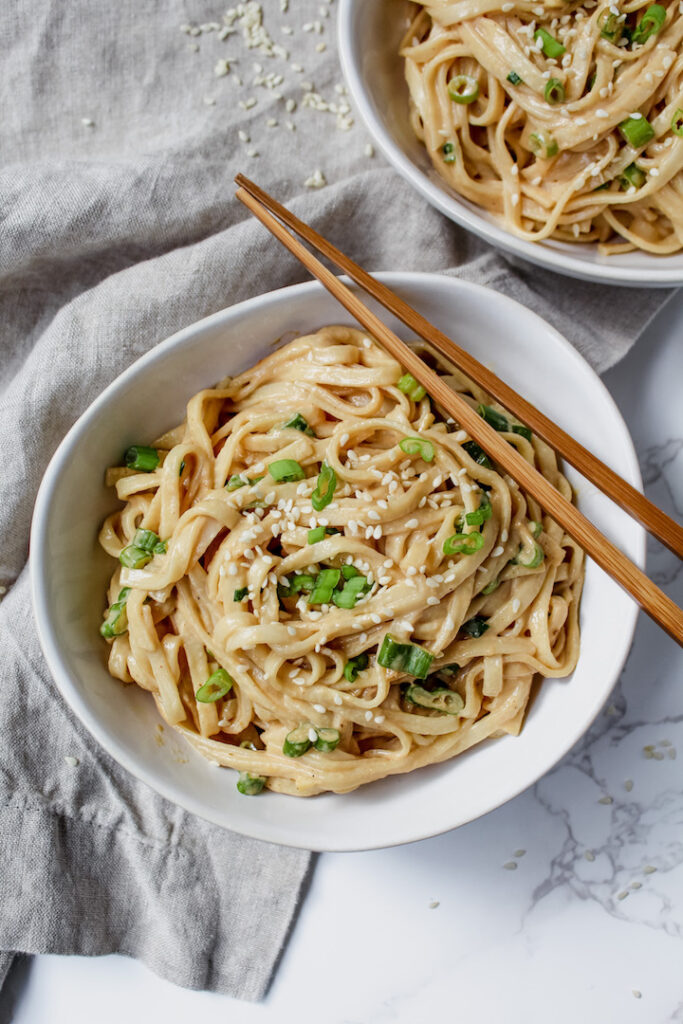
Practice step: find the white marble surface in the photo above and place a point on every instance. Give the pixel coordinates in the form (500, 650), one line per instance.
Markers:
(587, 926)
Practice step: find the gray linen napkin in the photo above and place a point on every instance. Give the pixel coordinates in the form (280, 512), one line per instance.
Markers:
(121, 139)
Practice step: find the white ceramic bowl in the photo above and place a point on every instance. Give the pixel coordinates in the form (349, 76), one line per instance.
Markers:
(69, 572)
(369, 36)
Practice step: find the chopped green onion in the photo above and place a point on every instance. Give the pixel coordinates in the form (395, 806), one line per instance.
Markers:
(302, 581)
(493, 417)
(250, 785)
(134, 558)
(677, 123)
(448, 702)
(416, 446)
(355, 665)
(142, 458)
(463, 544)
(349, 571)
(316, 534)
(352, 590)
(611, 25)
(411, 387)
(534, 559)
(239, 595)
(116, 622)
(554, 91)
(477, 453)
(543, 144)
(475, 627)
(403, 657)
(519, 428)
(298, 741)
(632, 176)
(637, 131)
(324, 489)
(650, 24)
(463, 89)
(448, 153)
(216, 686)
(299, 422)
(327, 739)
(514, 79)
(451, 669)
(551, 47)
(535, 528)
(286, 470)
(237, 480)
(480, 515)
(325, 582)
(148, 540)
(490, 587)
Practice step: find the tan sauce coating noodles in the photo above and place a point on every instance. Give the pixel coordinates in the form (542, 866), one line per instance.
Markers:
(561, 168)
(393, 512)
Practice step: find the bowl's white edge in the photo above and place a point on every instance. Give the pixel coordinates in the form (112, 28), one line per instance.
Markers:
(533, 252)
(37, 563)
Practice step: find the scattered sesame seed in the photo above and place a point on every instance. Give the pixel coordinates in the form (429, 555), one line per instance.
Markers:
(434, 904)
(637, 994)
(510, 865)
(649, 869)
(519, 853)
(312, 735)
(589, 855)
(71, 760)
(605, 800)
(319, 708)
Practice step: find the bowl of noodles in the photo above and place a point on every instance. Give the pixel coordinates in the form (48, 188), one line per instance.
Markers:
(279, 585)
(553, 131)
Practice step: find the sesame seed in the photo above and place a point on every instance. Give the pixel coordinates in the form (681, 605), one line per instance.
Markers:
(338, 700)
(432, 600)
(497, 551)
(510, 865)
(412, 524)
(368, 716)
(319, 708)
(71, 761)
(312, 735)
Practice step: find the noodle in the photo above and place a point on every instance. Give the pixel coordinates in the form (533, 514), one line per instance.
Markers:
(419, 535)
(567, 118)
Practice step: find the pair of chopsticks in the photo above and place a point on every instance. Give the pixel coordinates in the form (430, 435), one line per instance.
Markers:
(650, 598)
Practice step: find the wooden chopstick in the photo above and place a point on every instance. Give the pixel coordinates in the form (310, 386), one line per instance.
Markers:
(610, 483)
(650, 598)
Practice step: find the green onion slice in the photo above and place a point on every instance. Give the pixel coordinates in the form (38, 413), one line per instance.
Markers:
(301, 581)
(477, 454)
(463, 89)
(324, 489)
(316, 534)
(298, 741)
(327, 739)
(551, 46)
(250, 785)
(299, 422)
(411, 387)
(532, 560)
(349, 571)
(554, 91)
(286, 470)
(148, 540)
(351, 592)
(116, 622)
(637, 131)
(134, 558)
(611, 25)
(493, 417)
(514, 79)
(448, 150)
(677, 123)
(463, 544)
(490, 587)
(446, 701)
(535, 528)
(650, 24)
(403, 657)
(632, 175)
(543, 144)
(142, 458)
(239, 595)
(325, 582)
(451, 669)
(216, 686)
(475, 627)
(481, 514)
(417, 446)
(355, 665)
(519, 428)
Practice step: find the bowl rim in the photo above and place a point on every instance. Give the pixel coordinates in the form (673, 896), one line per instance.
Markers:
(66, 682)
(451, 206)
